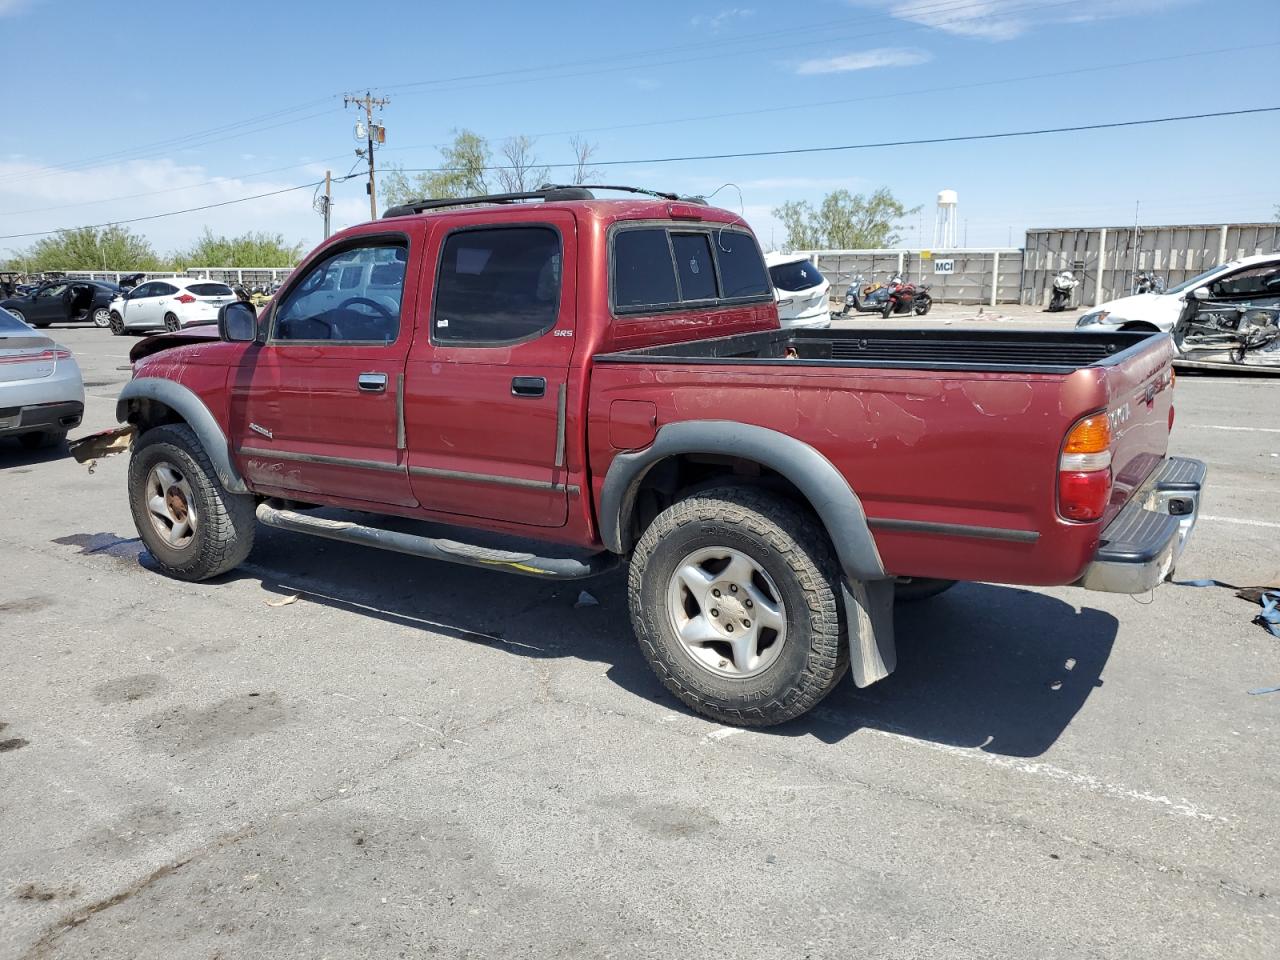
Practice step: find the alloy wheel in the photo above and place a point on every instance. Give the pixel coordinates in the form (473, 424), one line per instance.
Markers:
(171, 504)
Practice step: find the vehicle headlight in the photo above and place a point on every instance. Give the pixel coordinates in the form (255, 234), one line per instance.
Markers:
(1097, 316)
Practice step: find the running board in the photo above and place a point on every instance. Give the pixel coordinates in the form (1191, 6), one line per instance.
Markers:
(450, 551)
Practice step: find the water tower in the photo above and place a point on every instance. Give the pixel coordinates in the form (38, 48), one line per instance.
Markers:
(944, 224)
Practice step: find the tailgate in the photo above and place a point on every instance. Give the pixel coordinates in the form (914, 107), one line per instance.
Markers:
(1140, 407)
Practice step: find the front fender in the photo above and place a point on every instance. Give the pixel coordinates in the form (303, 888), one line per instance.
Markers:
(190, 408)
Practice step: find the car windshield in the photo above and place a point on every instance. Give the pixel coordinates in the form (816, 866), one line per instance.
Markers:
(799, 275)
(1198, 279)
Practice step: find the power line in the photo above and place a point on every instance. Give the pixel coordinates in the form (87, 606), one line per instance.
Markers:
(926, 141)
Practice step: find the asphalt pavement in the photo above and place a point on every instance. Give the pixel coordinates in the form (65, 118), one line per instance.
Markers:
(412, 759)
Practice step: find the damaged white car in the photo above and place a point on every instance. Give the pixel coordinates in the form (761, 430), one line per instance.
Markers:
(1226, 315)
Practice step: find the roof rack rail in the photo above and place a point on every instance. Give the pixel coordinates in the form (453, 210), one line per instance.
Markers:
(550, 192)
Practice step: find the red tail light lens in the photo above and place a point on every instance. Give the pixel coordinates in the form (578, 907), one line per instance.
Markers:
(185, 298)
(1084, 470)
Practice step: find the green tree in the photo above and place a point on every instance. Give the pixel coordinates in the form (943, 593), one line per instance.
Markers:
(253, 249)
(89, 248)
(844, 221)
(464, 164)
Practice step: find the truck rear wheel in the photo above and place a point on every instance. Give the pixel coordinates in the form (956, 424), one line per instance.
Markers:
(735, 600)
(191, 525)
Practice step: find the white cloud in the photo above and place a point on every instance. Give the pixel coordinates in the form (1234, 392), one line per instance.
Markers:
(999, 20)
(43, 198)
(865, 60)
(715, 21)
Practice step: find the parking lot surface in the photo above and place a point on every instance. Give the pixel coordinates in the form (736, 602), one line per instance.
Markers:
(414, 759)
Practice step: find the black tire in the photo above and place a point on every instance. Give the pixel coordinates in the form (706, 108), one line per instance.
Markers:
(911, 589)
(923, 307)
(42, 440)
(171, 323)
(225, 527)
(40, 325)
(886, 310)
(117, 324)
(791, 546)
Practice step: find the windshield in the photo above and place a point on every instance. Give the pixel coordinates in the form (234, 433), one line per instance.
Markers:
(1198, 278)
(800, 275)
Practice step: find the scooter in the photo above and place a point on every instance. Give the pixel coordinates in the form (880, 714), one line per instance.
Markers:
(1063, 284)
(869, 297)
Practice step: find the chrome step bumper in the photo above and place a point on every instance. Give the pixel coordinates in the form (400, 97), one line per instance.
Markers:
(1140, 547)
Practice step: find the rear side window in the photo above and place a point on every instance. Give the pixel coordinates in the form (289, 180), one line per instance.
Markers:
(209, 289)
(801, 275)
(662, 268)
(164, 289)
(497, 285)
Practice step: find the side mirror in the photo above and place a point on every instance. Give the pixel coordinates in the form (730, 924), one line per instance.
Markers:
(1201, 293)
(238, 322)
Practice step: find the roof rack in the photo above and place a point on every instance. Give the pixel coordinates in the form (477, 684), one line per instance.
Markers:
(549, 193)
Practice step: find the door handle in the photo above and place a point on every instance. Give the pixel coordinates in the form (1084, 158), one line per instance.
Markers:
(528, 386)
(372, 382)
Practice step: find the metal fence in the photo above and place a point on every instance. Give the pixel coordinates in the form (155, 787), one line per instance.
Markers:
(982, 276)
(1107, 259)
(249, 275)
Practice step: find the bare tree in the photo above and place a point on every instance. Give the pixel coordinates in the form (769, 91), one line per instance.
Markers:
(583, 151)
(521, 172)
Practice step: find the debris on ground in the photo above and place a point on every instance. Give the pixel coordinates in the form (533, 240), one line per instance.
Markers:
(283, 601)
(586, 600)
(104, 443)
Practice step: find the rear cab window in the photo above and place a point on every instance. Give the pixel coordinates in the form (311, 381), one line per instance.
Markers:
(665, 267)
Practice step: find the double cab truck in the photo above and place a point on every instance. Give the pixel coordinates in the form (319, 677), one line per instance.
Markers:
(606, 379)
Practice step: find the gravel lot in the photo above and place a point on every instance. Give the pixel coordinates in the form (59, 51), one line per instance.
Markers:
(418, 760)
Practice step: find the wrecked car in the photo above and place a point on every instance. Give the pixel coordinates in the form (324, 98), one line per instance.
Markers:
(608, 379)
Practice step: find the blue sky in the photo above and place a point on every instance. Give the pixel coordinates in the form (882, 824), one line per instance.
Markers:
(151, 99)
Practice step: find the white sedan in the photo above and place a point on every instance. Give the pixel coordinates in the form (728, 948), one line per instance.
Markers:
(169, 304)
(801, 290)
(1249, 278)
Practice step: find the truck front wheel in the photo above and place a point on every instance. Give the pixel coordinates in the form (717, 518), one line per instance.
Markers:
(191, 525)
(735, 600)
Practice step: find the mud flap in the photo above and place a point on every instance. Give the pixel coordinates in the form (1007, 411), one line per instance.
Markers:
(869, 614)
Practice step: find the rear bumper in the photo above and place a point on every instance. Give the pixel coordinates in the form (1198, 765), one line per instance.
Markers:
(44, 416)
(1140, 547)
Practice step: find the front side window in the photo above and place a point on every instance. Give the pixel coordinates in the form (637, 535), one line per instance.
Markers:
(497, 285)
(1258, 281)
(54, 290)
(320, 307)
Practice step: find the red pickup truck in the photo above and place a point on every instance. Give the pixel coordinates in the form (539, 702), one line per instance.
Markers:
(607, 378)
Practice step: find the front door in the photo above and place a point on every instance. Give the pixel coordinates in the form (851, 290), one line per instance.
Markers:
(487, 395)
(49, 305)
(138, 308)
(317, 407)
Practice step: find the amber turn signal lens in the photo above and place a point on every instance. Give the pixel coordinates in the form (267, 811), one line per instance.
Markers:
(1090, 435)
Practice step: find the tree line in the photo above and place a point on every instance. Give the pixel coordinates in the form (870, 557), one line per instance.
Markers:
(119, 248)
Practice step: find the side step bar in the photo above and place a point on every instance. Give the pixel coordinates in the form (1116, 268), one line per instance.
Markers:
(451, 551)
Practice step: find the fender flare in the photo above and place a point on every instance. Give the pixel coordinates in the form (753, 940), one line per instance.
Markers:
(191, 408)
(866, 590)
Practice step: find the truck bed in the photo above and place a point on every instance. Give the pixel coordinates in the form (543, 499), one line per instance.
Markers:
(1005, 351)
(949, 438)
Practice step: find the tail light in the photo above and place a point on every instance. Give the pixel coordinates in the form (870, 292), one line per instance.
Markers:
(1084, 470)
(185, 298)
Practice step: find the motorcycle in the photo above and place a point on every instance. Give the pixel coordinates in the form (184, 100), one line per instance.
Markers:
(1063, 284)
(1148, 283)
(906, 297)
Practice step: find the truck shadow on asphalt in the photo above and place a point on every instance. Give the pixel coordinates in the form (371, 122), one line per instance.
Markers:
(1000, 669)
(14, 456)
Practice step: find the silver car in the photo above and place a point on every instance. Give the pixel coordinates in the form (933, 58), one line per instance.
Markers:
(41, 391)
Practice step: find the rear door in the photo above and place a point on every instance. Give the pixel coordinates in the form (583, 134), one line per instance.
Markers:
(318, 406)
(488, 389)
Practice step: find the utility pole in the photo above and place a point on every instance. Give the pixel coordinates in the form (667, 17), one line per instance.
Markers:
(368, 101)
(328, 201)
